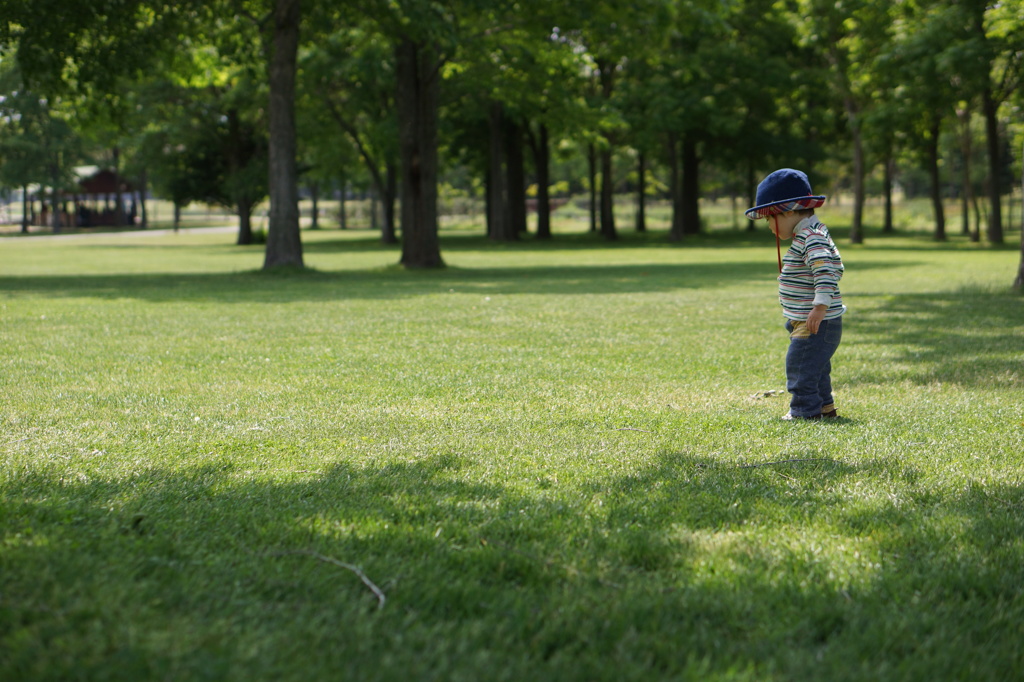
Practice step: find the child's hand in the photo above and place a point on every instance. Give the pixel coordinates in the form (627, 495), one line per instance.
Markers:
(815, 317)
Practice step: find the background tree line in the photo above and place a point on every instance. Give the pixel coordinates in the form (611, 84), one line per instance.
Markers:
(231, 101)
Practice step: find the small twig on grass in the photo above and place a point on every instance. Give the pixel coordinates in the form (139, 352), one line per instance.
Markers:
(377, 592)
(630, 428)
(784, 461)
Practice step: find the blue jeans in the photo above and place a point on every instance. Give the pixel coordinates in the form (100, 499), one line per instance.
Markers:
(809, 366)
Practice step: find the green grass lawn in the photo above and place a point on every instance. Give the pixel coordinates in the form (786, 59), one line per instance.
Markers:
(548, 461)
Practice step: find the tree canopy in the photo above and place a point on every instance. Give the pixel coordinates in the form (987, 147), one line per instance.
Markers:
(200, 98)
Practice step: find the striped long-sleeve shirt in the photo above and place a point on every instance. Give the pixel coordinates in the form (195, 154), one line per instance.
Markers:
(811, 270)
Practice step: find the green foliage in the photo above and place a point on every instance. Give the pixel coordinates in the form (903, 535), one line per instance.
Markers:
(347, 105)
(750, 84)
(37, 141)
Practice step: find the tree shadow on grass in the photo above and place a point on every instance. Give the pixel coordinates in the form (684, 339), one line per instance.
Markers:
(314, 286)
(259, 287)
(970, 338)
(689, 568)
(574, 241)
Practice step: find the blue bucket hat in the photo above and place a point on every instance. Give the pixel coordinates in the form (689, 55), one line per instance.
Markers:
(784, 190)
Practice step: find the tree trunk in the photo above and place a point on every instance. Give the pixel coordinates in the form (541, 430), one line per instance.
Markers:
(995, 219)
(55, 200)
(935, 182)
(284, 243)
(389, 233)
(542, 163)
(887, 225)
(25, 209)
(499, 227)
(606, 72)
(119, 195)
(966, 189)
(416, 70)
(516, 177)
(592, 170)
(314, 195)
(857, 224)
(143, 191)
(607, 196)
(641, 169)
(676, 232)
(965, 209)
(488, 197)
(690, 194)
(976, 233)
(244, 209)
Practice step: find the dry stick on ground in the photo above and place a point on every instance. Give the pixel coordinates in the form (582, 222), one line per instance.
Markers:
(377, 592)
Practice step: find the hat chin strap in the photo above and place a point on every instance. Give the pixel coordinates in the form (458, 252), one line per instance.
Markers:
(778, 245)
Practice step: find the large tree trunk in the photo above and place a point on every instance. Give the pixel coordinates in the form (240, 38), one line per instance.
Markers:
(935, 183)
(542, 162)
(417, 74)
(284, 243)
(244, 209)
(243, 206)
(676, 232)
(995, 219)
(690, 195)
(516, 177)
(606, 71)
(499, 226)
